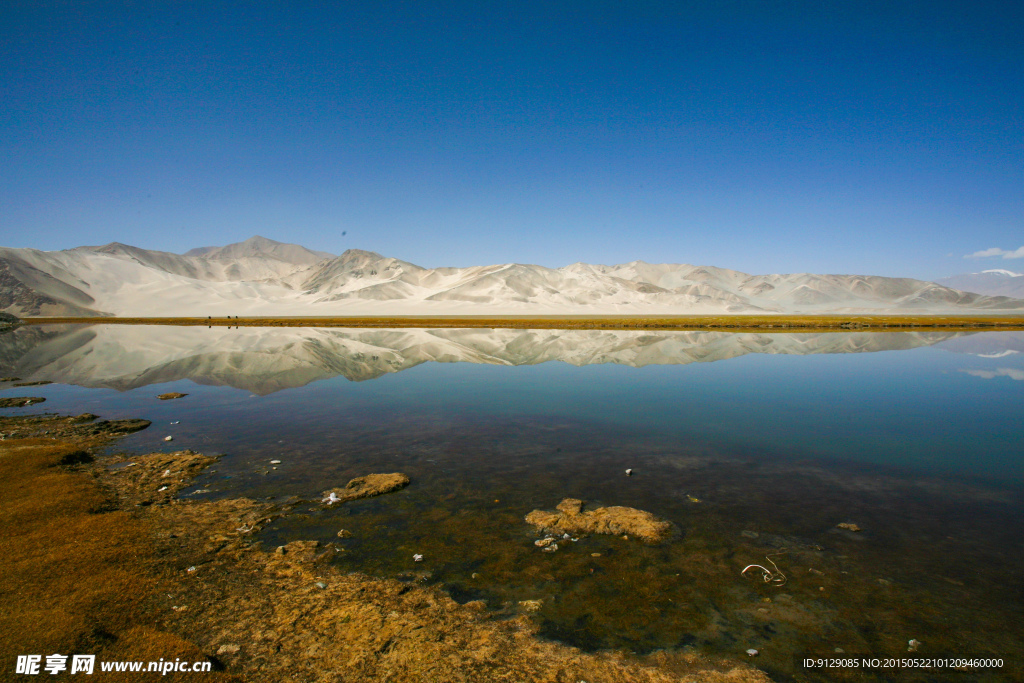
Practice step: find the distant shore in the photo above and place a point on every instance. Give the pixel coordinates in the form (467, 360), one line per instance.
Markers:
(732, 323)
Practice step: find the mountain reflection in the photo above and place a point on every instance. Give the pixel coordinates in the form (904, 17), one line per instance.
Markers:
(265, 360)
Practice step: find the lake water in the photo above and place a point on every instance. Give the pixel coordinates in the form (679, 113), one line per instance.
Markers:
(755, 445)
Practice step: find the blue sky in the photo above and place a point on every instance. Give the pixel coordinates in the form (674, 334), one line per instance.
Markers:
(882, 138)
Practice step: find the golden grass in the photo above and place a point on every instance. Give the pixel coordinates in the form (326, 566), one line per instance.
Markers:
(733, 323)
(73, 579)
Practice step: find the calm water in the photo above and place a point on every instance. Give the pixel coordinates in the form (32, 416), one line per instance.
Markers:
(753, 444)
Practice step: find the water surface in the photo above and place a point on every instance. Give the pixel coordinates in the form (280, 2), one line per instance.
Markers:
(755, 445)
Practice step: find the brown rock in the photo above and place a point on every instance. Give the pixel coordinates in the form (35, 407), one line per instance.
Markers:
(849, 526)
(173, 394)
(33, 384)
(570, 518)
(369, 486)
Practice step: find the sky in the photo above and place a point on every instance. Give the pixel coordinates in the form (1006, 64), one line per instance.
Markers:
(878, 138)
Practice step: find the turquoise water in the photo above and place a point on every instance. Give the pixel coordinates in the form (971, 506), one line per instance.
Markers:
(915, 438)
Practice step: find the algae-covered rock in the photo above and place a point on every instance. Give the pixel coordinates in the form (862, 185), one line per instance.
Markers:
(569, 517)
(19, 401)
(366, 487)
(120, 426)
(171, 395)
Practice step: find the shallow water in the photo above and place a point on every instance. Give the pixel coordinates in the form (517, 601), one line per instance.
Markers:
(915, 437)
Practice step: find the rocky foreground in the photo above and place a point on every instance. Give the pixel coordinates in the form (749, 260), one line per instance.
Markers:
(98, 556)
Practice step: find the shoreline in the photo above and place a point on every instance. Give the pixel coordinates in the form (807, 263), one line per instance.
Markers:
(187, 578)
(731, 323)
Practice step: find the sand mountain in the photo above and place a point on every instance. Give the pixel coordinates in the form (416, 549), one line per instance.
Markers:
(995, 282)
(263, 277)
(261, 247)
(265, 360)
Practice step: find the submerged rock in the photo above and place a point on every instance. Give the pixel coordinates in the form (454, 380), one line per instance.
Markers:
(569, 517)
(367, 487)
(121, 426)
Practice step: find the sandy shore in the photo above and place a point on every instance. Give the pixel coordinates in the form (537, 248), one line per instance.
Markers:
(98, 556)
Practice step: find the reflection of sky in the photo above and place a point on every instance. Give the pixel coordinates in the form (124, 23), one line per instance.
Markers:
(923, 409)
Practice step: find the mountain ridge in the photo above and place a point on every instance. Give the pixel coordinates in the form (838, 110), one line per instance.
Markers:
(268, 278)
(992, 282)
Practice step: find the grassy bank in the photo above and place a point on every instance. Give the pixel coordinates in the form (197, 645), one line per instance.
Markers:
(732, 323)
(76, 575)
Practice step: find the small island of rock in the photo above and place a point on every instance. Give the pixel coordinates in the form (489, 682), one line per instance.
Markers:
(366, 487)
(171, 395)
(569, 517)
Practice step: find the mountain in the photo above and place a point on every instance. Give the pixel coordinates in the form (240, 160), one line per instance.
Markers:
(261, 247)
(265, 360)
(995, 282)
(267, 278)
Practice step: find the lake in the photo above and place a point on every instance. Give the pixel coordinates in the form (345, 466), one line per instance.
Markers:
(756, 446)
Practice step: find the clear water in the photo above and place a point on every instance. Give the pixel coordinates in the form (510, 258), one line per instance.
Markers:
(916, 438)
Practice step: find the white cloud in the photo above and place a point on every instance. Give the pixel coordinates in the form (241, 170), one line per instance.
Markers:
(1012, 373)
(996, 251)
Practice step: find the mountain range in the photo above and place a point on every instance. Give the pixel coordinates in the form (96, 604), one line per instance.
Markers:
(267, 278)
(265, 360)
(995, 282)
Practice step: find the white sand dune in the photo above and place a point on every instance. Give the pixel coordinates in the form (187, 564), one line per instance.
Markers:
(260, 277)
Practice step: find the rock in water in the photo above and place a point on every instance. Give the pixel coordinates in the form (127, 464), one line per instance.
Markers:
(119, 426)
(570, 517)
(169, 396)
(368, 486)
(19, 401)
